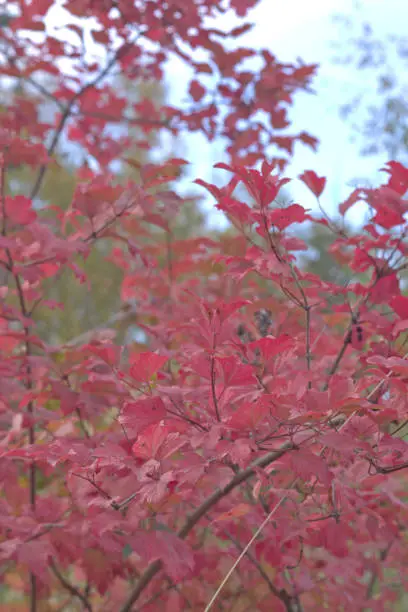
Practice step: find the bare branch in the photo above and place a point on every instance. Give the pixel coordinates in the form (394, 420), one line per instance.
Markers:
(195, 517)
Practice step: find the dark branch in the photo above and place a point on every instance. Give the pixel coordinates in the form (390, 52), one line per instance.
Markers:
(195, 517)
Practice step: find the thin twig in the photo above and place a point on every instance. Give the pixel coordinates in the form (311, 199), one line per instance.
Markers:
(279, 593)
(30, 409)
(264, 523)
(213, 390)
(68, 110)
(245, 550)
(308, 349)
(75, 592)
(195, 517)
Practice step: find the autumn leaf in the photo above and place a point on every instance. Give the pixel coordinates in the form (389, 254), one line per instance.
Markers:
(196, 90)
(400, 304)
(315, 183)
(144, 365)
(283, 217)
(137, 415)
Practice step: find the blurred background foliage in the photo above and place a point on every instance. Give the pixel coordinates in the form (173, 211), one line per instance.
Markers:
(378, 111)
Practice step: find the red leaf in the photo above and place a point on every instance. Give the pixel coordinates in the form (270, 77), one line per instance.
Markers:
(343, 442)
(100, 36)
(248, 415)
(224, 166)
(242, 7)
(309, 140)
(306, 464)
(156, 34)
(398, 365)
(236, 373)
(196, 90)
(176, 555)
(334, 537)
(138, 415)
(176, 161)
(398, 180)
(227, 309)
(270, 346)
(399, 327)
(203, 67)
(157, 441)
(213, 189)
(383, 288)
(353, 198)
(388, 217)
(315, 183)
(36, 556)
(283, 217)
(399, 303)
(144, 365)
(238, 210)
(240, 30)
(19, 210)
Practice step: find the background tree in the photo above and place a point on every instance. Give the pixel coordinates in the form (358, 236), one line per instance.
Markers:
(378, 112)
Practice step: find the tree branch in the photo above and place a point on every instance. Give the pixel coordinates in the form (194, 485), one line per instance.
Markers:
(213, 390)
(195, 517)
(30, 410)
(68, 111)
(75, 592)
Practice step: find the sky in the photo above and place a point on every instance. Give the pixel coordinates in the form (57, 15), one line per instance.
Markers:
(294, 29)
